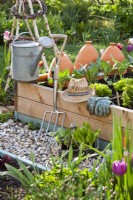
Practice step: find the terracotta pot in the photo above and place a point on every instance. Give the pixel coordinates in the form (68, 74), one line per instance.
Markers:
(65, 63)
(86, 55)
(116, 53)
(112, 51)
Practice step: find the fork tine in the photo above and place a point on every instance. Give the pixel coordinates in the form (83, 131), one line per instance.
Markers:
(49, 122)
(63, 119)
(56, 121)
(40, 131)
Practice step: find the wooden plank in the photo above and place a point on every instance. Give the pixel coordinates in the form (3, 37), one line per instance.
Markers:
(123, 114)
(33, 100)
(44, 95)
(35, 92)
(35, 109)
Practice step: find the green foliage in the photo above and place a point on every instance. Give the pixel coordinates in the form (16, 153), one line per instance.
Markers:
(66, 181)
(5, 116)
(25, 176)
(7, 55)
(1, 60)
(78, 73)
(127, 96)
(122, 146)
(2, 92)
(89, 72)
(119, 85)
(69, 181)
(78, 135)
(105, 68)
(102, 90)
(6, 97)
(64, 136)
(100, 21)
(5, 16)
(63, 77)
(92, 72)
(85, 134)
(121, 66)
(33, 126)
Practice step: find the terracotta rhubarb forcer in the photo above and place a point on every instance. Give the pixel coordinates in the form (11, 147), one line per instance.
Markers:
(112, 52)
(65, 63)
(86, 55)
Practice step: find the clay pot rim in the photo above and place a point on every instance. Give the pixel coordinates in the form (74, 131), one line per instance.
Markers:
(112, 43)
(88, 42)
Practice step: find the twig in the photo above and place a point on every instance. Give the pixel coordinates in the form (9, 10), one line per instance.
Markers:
(118, 98)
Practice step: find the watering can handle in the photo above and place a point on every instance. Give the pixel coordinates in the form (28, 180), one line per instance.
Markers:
(16, 37)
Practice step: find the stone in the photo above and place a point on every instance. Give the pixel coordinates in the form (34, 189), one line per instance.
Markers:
(16, 138)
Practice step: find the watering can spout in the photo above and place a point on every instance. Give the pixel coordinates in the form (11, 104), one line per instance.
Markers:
(45, 42)
(34, 65)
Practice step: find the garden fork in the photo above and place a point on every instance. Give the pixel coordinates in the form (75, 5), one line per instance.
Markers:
(55, 113)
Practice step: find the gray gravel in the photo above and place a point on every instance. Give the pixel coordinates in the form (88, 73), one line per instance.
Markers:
(16, 138)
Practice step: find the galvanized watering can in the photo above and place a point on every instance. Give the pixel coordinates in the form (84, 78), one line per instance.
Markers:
(25, 57)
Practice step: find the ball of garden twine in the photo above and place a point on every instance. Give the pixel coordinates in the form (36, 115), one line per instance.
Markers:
(24, 15)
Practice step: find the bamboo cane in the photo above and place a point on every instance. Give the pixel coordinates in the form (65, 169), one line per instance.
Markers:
(28, 25)
(18, 20)
(37, 33)
(33, 21)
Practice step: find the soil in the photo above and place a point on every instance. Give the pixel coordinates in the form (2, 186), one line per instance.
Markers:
(10, 188)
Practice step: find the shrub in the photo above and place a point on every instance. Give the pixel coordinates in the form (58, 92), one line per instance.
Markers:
(119, 85)
(102, 90)
(127, 96)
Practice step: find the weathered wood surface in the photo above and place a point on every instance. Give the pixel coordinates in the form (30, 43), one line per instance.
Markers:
(33, 100)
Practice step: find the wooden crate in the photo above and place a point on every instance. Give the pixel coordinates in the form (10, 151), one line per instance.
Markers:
(33, 99)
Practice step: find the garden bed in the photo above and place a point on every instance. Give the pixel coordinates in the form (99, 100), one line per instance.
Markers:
(32, 100)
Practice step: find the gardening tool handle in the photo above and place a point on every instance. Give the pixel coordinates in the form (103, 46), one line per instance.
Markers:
(16, 37)
(56, 68)
(56, 71)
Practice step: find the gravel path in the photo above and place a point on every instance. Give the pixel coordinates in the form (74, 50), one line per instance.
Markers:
(16, 138)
